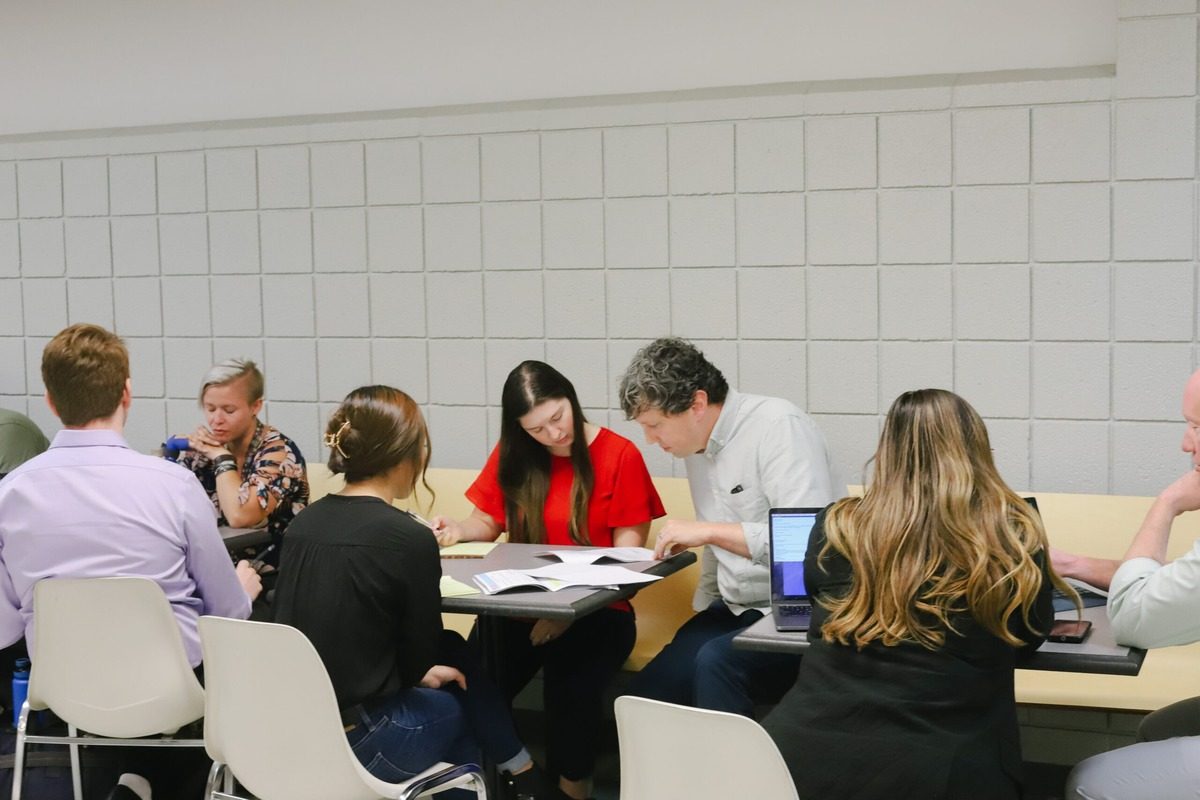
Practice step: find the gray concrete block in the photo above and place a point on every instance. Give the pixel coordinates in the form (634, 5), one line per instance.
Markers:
(450, 169)
(514, 303)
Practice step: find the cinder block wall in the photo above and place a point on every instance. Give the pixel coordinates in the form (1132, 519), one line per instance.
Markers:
(1028, 240)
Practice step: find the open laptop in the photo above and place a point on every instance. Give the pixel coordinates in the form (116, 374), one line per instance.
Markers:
(1089, 595)
(789, 530)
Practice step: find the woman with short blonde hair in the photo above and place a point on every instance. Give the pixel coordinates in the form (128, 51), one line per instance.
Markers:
(930, 588)
(254, 474)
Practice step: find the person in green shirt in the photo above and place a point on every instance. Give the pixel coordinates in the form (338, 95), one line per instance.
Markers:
(20, 440)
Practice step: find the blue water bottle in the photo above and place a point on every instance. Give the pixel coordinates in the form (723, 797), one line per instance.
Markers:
(172, 447)
(20, 687)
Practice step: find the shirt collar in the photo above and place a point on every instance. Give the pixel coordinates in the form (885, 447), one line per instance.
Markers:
(100, 437)
(723, 429)
(260, 433)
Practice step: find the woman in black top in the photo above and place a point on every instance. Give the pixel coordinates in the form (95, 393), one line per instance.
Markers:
(360, 578)
(930, 588)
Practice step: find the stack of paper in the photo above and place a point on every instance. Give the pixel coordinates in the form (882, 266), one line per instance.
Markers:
(591, 556)
(560, 576)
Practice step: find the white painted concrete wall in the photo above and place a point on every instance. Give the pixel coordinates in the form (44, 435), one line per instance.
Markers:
(1029, 242)
(91, 64)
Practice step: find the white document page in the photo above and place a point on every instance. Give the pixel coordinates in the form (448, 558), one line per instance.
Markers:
(559, 576)
(591, 574)
(501, 579)
(623, 554)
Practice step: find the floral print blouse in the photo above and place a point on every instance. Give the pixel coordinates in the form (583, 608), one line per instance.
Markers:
(274, 466)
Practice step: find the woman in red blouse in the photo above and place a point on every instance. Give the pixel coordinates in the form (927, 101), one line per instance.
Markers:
(557, 479)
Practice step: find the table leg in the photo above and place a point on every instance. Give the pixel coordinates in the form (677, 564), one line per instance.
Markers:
(488, 630)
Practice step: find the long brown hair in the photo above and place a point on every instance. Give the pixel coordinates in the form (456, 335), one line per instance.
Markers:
(936, 534)
(525, 464)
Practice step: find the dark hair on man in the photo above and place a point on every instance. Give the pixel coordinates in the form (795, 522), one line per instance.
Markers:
(375, 429)
(525, 464)
(85, 368)
(665, 375)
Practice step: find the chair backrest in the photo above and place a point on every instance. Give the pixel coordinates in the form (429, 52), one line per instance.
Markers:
(674, 751)
(108, 657)
(271, 714)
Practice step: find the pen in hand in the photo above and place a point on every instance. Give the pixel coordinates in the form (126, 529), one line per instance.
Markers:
(261, 558)
(440, 530)
(420, 519)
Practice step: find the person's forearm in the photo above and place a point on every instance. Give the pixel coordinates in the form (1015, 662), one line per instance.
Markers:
(727, 536)
(1151, 539)
(237, 513)
(475, 529)
(1095, 571)
(631, 535)
(222, 589)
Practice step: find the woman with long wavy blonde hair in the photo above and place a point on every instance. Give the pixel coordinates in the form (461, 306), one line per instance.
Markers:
(930, 587)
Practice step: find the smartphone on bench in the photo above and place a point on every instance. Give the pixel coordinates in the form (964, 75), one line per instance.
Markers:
(1070, 631)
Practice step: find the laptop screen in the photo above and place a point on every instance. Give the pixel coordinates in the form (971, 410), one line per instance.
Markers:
(790, 529)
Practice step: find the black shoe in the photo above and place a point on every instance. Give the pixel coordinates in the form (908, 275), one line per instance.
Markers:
(529, 785)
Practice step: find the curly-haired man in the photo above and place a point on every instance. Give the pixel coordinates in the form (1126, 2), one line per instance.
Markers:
(744, 454)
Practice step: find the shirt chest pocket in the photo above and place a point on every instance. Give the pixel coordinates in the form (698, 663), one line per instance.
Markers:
(744, 502)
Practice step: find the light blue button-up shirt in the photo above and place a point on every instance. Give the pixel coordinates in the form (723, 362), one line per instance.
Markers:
(777, 456)
(1156, 605)
(91, 507)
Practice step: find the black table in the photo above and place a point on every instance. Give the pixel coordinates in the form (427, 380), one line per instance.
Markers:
(1099, 654)
(537, 603)
(237, 539)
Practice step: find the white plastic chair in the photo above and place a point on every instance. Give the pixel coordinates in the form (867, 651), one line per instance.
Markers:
(272, 721)
(675, 751)
(109, 660)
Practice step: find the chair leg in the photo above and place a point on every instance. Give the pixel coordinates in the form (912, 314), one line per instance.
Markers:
(19, 754)
(214, 772)
(76, 773)
(220, 782)
(477, 783)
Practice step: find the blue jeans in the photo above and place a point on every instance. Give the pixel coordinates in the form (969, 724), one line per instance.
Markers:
(702, 668)
(410, 732)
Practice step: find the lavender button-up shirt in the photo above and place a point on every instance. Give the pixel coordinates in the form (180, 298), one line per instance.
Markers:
(91, 507)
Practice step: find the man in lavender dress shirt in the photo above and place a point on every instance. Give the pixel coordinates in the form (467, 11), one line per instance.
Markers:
(91, 507)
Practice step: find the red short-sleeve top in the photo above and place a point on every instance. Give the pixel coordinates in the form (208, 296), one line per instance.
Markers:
(622, 492)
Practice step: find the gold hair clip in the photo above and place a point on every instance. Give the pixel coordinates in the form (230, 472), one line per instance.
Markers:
(334, 440)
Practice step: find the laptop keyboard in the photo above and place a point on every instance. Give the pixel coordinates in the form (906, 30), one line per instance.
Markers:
(794, 610)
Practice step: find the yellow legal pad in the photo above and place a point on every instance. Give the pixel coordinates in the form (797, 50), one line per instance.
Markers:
(467, 550)
(453, 588)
